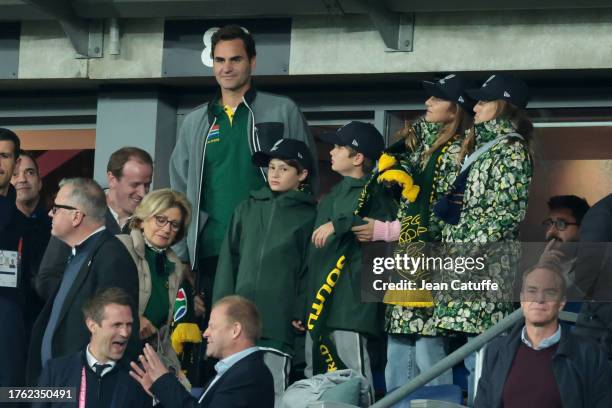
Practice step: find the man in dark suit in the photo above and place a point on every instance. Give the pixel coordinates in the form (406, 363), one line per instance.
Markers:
(593, 275)
(98, 260)
(242, 380)
(129, 173)
(98, 371)
(37, 230)
(12, 337)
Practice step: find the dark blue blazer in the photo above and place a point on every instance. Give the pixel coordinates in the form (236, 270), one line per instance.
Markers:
(246, 384)
(53, 261)
(66, 372)
(109, 264)
(12, 307)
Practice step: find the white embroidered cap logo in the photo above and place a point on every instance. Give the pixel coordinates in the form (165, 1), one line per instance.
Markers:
(506, 94)
(300, 155)
(276, 145)
(461, 99)
(443, 80)
(487, 81)
(355, 143)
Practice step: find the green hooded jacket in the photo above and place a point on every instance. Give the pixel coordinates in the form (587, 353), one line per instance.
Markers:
(263, 258)
(346, 311)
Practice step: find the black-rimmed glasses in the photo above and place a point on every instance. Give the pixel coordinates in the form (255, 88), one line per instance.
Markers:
(65, 207)
(560, 225)
(161, 222)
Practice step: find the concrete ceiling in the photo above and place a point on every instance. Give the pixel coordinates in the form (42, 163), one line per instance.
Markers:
(81, 19)
(97, 9)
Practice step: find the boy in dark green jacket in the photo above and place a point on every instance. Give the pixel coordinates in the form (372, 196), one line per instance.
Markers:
(264, 254)
(338, 323)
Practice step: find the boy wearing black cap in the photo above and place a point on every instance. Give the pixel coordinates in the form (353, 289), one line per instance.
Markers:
(263, 256)
(338, 323)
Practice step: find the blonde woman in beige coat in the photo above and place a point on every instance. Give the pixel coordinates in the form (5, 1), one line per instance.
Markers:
(159, 221)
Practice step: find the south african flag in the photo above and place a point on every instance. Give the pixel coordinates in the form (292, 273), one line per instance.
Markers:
(180, 305)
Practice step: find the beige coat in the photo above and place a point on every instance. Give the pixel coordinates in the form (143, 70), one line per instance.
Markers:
(135, 244)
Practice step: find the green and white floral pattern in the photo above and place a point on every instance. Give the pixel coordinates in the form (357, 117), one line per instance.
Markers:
(494, 204)
(408, 320)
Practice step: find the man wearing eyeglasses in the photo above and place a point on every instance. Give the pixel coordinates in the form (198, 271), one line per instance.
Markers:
(565, 214)
(129, 175)
(97, 260)
(542, 363)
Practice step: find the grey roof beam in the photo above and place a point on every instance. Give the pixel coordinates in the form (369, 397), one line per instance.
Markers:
(333, 7)
(86, 36)
(396, 30)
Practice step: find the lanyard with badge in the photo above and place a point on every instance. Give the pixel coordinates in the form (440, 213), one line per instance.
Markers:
(83, 391)
(10, 266)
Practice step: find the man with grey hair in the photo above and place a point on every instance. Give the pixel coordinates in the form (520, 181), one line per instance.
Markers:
(540, 363)
(98, 260)
(129, 174)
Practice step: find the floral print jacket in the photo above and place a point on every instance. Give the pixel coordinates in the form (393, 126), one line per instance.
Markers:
(494, 204)
(407, 320)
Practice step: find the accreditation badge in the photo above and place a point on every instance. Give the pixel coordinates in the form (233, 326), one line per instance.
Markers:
(9, 268)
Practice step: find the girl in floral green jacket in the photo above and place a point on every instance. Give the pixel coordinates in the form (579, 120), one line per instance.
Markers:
(428, 152)
(496, 192)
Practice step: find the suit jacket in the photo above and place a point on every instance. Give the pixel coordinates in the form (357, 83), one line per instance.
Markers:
(66, 372)
(246, 384)
(54, 260)
(593, 275)
(12, 347)
(107, 265)
(13, 335)
(580, 368)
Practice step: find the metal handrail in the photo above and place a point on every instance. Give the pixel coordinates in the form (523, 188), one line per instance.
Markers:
(457, 356)
(449, 361)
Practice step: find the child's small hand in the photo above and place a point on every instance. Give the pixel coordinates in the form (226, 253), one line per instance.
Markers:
(320, 235)
(298, 325)
(365, 232)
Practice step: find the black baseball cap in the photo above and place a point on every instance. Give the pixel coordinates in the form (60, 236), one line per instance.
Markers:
(360, 136)
(285, 149)
(452, 88)
(502, 86)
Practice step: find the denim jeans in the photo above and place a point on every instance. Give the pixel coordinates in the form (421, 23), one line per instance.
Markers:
(408, 356)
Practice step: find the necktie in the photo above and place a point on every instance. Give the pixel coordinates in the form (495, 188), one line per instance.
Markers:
(99, 368)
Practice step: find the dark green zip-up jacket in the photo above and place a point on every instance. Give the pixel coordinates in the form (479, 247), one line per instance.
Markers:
(264, 259)
(345, 309)
(272, 117)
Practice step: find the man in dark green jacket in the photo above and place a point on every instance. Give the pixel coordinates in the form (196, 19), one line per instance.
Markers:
(264, 255)
(338, 322)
